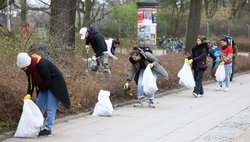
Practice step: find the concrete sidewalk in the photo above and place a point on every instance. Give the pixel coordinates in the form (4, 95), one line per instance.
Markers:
(178, 117)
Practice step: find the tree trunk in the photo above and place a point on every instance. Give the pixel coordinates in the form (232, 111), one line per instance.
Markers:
(193, 23)
(88, 7)
(23, 11)
(62, 22)
(78, 15)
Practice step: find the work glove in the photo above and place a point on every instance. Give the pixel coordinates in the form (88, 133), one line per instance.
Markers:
(150, 65)
(93, 59)
(222, 63)
(87, 47)
(189, 61)
(27, 97)
(126, 86)
(218, 58)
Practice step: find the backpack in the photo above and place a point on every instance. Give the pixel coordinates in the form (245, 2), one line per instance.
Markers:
(41, 50)
(145, 48)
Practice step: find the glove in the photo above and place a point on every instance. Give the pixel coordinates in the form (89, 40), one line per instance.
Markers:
(93, 59)
(27, 97)
(218, 58)
(150, 65)
(126, 86)
(222, 63)
(87, 47)
(189, 61)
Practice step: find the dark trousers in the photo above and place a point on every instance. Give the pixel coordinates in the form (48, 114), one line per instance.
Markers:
(198, 76)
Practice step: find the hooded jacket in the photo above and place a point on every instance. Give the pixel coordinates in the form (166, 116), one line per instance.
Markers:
(147, 58)
(97, 41)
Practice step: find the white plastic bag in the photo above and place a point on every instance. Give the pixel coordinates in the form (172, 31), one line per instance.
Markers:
(104, 106)
(220, 73)
(149, 82)
(31, 120)
(186, 76)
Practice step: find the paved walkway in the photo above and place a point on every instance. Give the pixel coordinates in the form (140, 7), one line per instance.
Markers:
(179, 117)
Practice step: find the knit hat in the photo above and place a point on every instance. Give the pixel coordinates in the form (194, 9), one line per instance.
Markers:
(23, 60)
(83, 32)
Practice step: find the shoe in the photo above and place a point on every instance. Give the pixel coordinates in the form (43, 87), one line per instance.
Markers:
(226, 89)
(200, 95)
(151, 104)
(44, 132)
(138, 104)
(195, 95)
(218, 89)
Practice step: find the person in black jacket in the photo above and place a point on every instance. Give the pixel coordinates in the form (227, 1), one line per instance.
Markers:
(49, 81)
(198, 59)
(98, 44)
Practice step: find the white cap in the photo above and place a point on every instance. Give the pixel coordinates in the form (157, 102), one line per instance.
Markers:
(83, 32)
(23, 60)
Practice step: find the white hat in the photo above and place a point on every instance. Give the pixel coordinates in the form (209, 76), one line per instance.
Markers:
(83, 32)
(23, 60)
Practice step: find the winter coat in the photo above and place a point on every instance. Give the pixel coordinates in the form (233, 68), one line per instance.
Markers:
(147, 58)
(97, 41)
(199, 56)
(46, 76)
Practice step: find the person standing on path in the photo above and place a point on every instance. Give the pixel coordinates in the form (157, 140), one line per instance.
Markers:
(198, 59)
(226, 60)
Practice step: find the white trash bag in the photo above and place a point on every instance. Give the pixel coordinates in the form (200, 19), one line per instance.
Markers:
(149, 82)
(186, 76)
(30, 122)
(104, 106)
(220, 74)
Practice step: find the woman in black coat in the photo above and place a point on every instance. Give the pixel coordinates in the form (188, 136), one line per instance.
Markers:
(198, 59)
(44, 76)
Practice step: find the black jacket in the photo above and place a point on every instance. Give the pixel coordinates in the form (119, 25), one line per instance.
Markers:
(199, 56)
(97, 41)
(52, 79)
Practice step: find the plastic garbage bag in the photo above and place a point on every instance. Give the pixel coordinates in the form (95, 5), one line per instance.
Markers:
(149, 82)
(220, 73)
(104, 106)
(31, 120)
(186, 76)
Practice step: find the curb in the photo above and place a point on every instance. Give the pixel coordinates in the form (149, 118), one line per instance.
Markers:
(72, 117)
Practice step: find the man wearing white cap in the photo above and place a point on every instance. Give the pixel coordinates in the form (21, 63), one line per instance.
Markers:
(96, 40)
(45, 76)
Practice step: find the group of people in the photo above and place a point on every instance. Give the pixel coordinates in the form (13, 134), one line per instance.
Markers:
(44, 77)
(226, 56)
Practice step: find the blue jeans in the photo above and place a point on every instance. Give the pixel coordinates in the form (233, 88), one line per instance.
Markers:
(228, 71)
(140, 93)
(47, 100)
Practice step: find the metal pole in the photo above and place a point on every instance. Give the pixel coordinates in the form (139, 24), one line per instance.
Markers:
(207, 29)
(247, 31)
(8, 15)
(186, 28)
(228, 29)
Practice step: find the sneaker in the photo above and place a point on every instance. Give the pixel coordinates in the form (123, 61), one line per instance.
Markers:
(218, 89)
(200, 95)
(138, 104)
(226, 89)
(195, 95)
(151, 104)
(44, 132)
